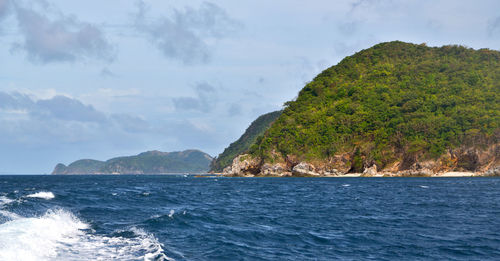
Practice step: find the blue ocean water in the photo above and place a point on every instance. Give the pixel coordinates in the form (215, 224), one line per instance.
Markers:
(162, 217)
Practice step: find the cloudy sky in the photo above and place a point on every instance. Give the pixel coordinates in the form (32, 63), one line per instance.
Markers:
(99, 79)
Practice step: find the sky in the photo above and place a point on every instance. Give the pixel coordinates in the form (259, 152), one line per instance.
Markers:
(99, 79)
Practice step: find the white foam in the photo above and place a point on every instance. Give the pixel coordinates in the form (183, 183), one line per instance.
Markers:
(5, 200)
(42, 194)
(346, 185)
(37, 238)
(9, 215)
(59, 235)
(424, 186)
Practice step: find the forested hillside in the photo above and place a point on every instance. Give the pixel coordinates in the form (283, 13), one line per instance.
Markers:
(256, 129)
(393, 102)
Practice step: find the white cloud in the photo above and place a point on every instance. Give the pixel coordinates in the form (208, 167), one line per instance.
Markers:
(60, 39)
(187, 35)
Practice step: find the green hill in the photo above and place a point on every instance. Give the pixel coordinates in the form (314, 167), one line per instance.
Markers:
(395, 104)
(256, 128)
(80, 166)
(151, 162)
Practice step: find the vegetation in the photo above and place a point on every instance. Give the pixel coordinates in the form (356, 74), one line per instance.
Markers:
(390, 100)
(151, 162)
(257, 128)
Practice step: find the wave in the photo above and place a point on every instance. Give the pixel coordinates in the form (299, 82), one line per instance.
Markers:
(59, 235)
(5, 200)
(42, 194)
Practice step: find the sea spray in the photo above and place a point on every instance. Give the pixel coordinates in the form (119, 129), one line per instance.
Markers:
(38, 238)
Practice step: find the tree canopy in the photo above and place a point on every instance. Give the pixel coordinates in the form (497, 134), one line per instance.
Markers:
(390, 99)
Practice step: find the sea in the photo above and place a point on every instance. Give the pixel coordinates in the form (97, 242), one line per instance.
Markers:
(183, 217)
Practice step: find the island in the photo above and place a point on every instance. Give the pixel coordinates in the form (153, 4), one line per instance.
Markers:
(395, 109)
(151, 162)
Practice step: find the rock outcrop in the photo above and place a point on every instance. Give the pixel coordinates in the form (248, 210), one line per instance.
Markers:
(243, 165)
(370, 172)
(492, 172)
(485, 162)
(278, 169)
(304, 169)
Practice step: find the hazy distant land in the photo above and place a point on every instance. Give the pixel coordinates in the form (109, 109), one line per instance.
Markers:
(151, 162)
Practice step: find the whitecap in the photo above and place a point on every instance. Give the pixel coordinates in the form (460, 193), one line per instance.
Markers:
(5, 200)
(424, 186)
(171, 214)
(9, 215)
(155, 216)
(42, 194)
(346, 185)
(59, 235)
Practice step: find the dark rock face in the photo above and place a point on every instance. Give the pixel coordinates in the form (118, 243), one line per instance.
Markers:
(468, 160)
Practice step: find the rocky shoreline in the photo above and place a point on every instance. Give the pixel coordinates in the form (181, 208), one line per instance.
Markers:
(455, 163)
(305, 170)
(454, 174)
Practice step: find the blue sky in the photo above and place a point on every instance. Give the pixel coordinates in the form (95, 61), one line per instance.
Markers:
(99, 79)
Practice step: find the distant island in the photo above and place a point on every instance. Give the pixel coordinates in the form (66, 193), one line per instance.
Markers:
(151, 162)
(395, 109)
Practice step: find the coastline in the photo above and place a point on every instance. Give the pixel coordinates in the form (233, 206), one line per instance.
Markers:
(248, 166)
(451, 174)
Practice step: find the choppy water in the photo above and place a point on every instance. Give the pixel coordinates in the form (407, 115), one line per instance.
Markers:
(188, 218)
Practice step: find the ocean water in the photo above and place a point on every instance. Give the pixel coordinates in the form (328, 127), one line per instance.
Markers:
(187, 218)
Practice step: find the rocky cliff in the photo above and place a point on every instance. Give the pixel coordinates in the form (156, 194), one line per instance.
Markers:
(472, 161)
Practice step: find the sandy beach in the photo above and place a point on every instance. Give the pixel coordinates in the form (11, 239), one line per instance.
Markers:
(455, 174)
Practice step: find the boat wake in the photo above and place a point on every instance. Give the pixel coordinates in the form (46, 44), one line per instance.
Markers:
(60, 235)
